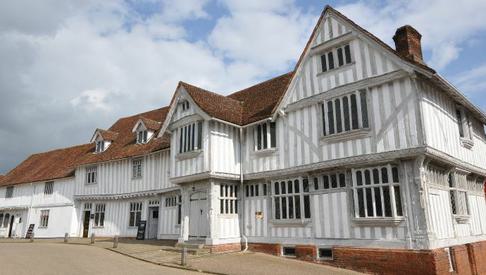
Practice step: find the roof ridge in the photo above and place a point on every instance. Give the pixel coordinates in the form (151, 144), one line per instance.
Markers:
(207, 91)
(59, 149)
(141, 114)
(260, 83)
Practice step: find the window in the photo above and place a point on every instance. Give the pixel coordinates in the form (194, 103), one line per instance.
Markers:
(1, 219)
(458, 194)
(9, 192)
(179, 209)
(99, 219)
(6, 220)
(330, 181)
(142, 137)
(288, 251)
(184, 105)
(44, 219)
(190, 137)
(346, 113)
(377, 192)
(265, 136)
(291, 200)
(171, 201)
(343, 55)
(325, 253)
(91, 174)
(137, 168)
(464, 126)
(100, 146)
(228, 202)
(135, 213)
(254, 190)
(48, 188)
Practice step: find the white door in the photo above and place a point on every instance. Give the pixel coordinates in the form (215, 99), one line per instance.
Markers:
(198, 215)
(153, 222)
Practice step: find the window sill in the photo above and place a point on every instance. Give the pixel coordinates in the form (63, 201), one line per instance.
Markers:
(93, 183)
(98, 227)
(462, 219)
(336, 69)
(42, 227)
(467, 143)
(188, 155)
(228, 216)
(265, 152)
(290, 223)
(343, 136)
(378, 221)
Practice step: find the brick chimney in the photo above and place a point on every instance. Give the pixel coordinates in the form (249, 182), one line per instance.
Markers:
(407, 43)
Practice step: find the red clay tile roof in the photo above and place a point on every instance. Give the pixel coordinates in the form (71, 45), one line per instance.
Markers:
(107, 135)
(151, 124)
(125, 145)
(50, 165)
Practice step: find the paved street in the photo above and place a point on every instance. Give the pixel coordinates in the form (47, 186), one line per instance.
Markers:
(51, 259)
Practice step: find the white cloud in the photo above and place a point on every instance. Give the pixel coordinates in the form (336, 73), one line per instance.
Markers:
(446, 26)
(92, 100)
(472, 81)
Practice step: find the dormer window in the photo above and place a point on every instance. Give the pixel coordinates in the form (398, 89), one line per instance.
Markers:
(185, 105)
(100, 146)
(142, 137)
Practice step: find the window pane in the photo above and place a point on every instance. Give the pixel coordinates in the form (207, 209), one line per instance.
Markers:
(379, 210)
(247, 191)
(282, 187)
(386, 199)
(284, 208)
(330, 117)
(361, 207)
(273, 135)
(364, 109)
(330, 59)
(297, 186)
(193, 138)
(342, 180)
(459, 122)
(305, 185)
(307, 213)
(316, 184)
(334, 181)
(395, 174)
(291, 207)
(289, 186)
(297, 206)
(339, 122)
(369, 202)
(323, 63)
(367, 177)
(453, 201)
(252, 190)
(340, 56)
(384, 175)
(257, 190)
(398, 201)
(221, 206)
(264, 137)
(323, 120)
(199, 134)
(264, 189)
(277, 208)
(347, 53)
(276, 186)
(359, 178)
(259, 137)
(376, 176)
(347, 122)
(326, 181)
(354, 112)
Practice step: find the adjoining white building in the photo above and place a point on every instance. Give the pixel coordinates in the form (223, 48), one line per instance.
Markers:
(361, 157)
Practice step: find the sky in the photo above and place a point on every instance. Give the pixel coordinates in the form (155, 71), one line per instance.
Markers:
(69, 67)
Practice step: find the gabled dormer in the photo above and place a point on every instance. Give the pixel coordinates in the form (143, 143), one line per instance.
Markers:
(103, 139)
(145, 129)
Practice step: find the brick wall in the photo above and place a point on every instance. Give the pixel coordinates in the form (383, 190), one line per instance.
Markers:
(306, 252)
(268, 248)
(229, 247)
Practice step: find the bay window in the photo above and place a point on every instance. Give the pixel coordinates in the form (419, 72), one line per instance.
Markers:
(190, 137)
(376, 192)
(265, 136)
(345, 113)
(291, 199)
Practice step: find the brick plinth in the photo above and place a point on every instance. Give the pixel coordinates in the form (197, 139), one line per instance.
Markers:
(306, 252)
(229, 247)
(268, 248)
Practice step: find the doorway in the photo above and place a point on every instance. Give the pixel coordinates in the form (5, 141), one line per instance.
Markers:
(87, 215)
(198, 218)
(12, 218)
(153, 222)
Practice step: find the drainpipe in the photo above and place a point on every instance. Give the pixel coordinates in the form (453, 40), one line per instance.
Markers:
(242, 227)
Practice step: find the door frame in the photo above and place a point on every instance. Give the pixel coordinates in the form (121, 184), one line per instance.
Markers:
(205, 199)
(86, 213)
(149, 219)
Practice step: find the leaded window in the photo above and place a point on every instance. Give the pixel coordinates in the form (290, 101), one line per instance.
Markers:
(99, 218)
(137, 168)
(44, 219)
(135, 214)
(291, 199)
(190, 137)
(228, 199)
(48, 188)
(265, 136)
(345, 113)
(336, 58)
(91, 174)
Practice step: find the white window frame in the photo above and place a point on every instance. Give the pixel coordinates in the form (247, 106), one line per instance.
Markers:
(44, 218)
(142, 137)
(377, 187)
(331, 181)
(171, 201)
(459, 197)
(91, 175)
(137, 168)
(99, 215)
(100, 146)
(9, 192)
(279, 214)
(265, 136)
(228, 199)
(335, 56)
(184, 105)
(336, 121)
(464, 125)
(48, 188)
(136, 210)
(190, 137)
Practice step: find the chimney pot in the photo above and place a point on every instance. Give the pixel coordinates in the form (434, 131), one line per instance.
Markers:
(407, 43)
